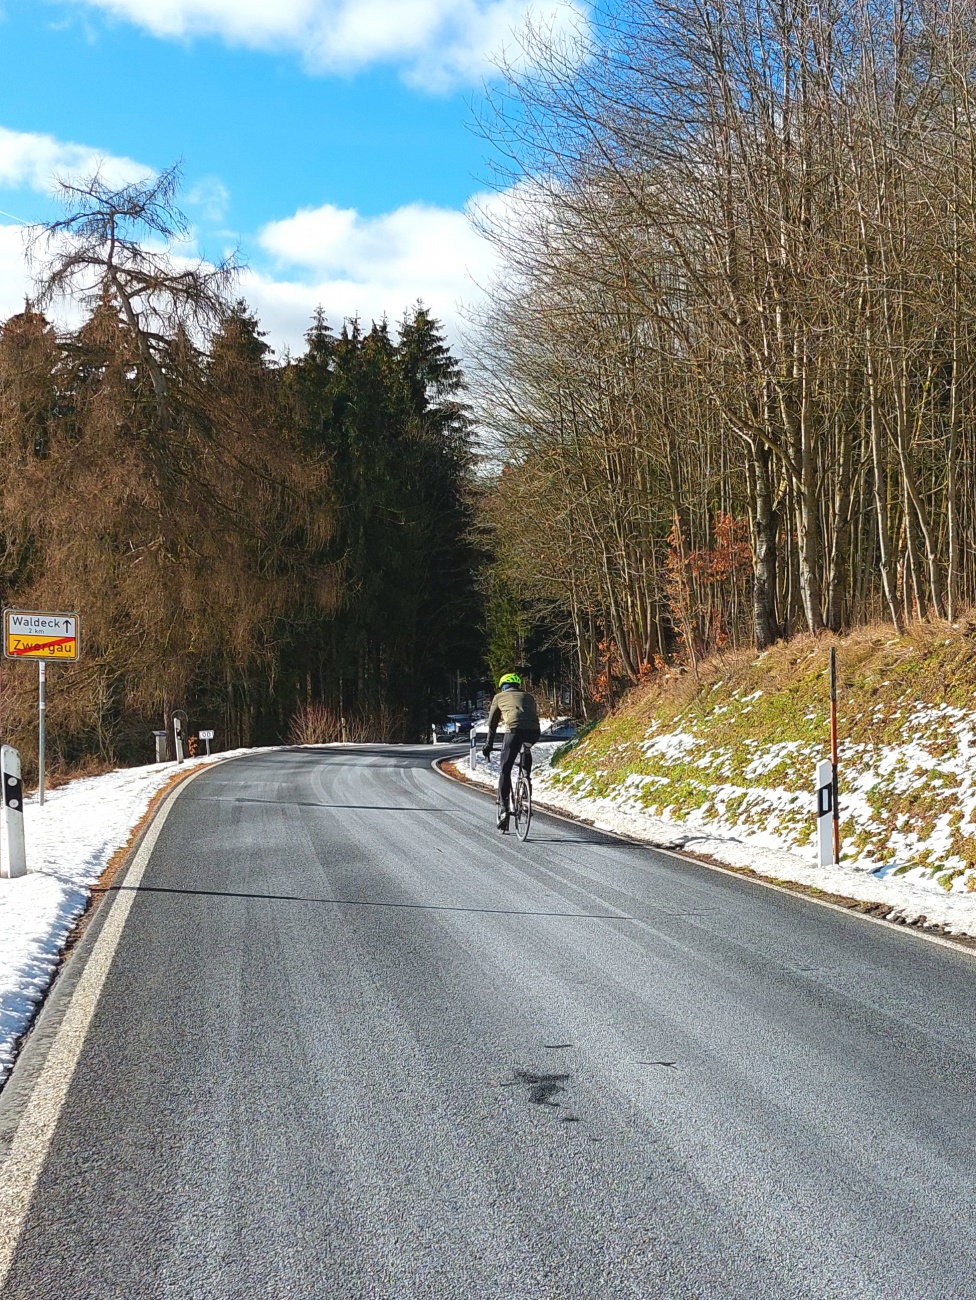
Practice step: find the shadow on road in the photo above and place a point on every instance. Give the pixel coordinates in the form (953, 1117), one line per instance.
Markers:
(563, 839)
(364, 902)
(285, 802)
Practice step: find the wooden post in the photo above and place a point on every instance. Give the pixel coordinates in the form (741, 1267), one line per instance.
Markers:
(833, 749)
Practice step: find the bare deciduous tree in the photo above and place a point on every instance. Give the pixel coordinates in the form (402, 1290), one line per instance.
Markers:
(122, 246)
(753, 225)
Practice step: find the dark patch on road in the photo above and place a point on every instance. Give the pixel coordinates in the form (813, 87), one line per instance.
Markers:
(542, 1087)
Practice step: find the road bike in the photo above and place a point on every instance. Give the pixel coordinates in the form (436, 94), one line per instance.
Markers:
(521, 810)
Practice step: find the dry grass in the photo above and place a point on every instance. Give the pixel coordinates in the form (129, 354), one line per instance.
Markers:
(61, 773)
(317, 724)
(938, 658)
(738, 743)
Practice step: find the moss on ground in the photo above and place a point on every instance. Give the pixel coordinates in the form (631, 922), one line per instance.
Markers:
(739, 743)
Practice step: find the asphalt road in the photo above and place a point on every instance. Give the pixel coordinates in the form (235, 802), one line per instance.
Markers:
(355, 1044)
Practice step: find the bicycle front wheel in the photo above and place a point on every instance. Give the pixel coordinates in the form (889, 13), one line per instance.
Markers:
(523, 806)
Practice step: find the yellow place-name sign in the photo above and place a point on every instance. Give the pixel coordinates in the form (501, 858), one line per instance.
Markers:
(36, 634)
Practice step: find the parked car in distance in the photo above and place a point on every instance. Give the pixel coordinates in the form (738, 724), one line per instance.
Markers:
(455, 729)
(559, 729)
(552, 730)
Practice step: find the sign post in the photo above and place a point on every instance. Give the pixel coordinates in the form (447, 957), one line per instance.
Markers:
(41, 726)
(208, 737)
(41, 635)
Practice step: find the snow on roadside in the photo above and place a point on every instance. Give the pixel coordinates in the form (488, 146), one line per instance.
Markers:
(912, 896)
(70, 842)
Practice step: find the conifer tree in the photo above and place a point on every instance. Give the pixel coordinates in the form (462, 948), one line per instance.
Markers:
(244, 539)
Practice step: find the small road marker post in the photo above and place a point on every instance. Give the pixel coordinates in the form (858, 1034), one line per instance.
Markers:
(827, 789)
(825, 812)
(13, 854)
(179, 721)
(207, 737)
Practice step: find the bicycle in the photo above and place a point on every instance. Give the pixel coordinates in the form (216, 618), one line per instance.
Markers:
(521, 810)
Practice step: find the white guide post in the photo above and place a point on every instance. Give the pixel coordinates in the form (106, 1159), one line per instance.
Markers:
(13, 854)
(825, 812)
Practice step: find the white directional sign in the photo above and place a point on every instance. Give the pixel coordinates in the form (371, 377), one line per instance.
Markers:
(34, 634)
(206, 735)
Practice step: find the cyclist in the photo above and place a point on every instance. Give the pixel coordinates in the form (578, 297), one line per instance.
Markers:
(517, 709)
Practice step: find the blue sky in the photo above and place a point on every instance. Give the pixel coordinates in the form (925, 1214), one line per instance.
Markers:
(331, 139)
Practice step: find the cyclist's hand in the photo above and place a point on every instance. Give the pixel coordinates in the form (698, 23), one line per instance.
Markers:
(487, 751)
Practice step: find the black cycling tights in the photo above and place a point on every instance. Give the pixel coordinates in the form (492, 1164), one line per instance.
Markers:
(513, 742)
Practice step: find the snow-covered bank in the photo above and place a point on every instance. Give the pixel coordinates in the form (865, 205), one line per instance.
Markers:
(911, 895)
(70, 842)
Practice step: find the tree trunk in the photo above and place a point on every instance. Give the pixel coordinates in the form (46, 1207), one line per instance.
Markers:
(765, 528)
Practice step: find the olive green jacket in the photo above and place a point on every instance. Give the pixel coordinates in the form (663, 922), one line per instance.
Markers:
(513, 708)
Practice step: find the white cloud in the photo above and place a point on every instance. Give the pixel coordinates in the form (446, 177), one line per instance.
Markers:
(211, 197)
(415, 241)
(367, 266)
(37, 162)
(438, 43)
(15, 280)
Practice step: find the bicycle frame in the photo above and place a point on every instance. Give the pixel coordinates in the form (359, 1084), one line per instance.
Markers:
(521, 809)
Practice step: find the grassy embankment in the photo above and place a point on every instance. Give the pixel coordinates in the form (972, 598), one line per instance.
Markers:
(738, 747)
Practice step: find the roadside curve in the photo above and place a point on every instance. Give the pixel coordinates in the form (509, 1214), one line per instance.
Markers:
(835, 902)
(34, 1096)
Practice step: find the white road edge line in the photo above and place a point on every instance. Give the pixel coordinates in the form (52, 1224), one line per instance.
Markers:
(911, 931)
(35, 1132)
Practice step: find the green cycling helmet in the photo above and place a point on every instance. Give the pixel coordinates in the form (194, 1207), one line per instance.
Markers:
(510, 679)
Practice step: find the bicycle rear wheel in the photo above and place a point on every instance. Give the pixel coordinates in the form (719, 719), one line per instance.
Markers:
(523, 806)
